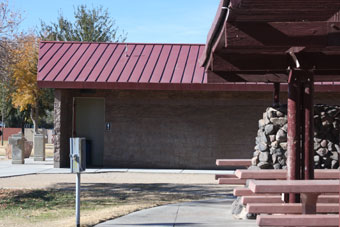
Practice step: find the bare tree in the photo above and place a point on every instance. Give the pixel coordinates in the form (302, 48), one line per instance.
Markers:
(9, 21)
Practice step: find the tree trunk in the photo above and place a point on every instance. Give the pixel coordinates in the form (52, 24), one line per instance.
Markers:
(2, 105)
(34, 117)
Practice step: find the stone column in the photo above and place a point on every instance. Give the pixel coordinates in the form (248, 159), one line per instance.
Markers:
(62, 127)
(39, 147)
(18, 146)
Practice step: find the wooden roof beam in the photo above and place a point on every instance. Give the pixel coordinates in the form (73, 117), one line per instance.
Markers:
(281, 36)
(284, 10)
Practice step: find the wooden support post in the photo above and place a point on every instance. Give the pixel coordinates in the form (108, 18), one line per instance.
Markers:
(296, 128)
(276, 95)
(293, 129)
(302, 127)
(309, 128)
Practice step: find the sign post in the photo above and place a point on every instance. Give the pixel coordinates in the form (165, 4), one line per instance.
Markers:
(78, 165)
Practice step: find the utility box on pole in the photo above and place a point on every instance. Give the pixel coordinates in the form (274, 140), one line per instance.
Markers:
(78, 165)
(77, 155)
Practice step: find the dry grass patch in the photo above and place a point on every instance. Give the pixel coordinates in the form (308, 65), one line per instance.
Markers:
(99, 202)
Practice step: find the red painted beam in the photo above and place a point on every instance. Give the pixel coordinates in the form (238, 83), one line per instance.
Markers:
(309, 128)
(293, 134)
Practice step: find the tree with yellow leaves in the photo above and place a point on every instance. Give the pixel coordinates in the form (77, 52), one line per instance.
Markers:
(26, 95)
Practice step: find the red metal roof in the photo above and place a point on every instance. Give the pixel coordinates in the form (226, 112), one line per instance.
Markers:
(135, 66)
(120, 63)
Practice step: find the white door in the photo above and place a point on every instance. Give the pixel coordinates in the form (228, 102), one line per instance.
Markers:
(90, 123)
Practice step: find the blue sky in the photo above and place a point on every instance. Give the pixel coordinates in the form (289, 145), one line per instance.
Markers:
(159, 21)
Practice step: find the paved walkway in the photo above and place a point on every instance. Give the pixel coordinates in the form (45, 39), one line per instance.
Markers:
(209, 213)
(7, 169)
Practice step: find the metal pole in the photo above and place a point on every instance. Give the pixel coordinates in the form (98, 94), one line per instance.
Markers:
(293, 130)
(78, 200)
(309, 128)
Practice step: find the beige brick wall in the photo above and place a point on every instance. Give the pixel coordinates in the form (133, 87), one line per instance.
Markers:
(177, 129)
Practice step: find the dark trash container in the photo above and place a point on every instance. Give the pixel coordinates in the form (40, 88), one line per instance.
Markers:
(88, 153)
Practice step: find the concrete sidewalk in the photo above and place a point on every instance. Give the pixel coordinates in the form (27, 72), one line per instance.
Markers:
(7, 169)
(208, 213)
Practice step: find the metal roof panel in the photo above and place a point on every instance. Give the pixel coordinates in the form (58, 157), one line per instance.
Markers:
(101, 63)
(122, 61)
(160, 67)
(140, 66)
(111, 64)
(151, 64)
(119, 63)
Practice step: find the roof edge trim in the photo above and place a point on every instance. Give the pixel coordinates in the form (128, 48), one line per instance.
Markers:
(242, 87)
(127, 43)
(215, 30)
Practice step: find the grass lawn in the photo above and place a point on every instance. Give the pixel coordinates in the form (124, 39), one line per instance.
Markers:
(100, 202)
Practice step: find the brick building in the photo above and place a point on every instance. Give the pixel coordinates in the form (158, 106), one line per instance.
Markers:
(151, 105)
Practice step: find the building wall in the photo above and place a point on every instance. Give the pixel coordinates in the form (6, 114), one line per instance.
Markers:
(179, 129)
(171, 129)
(10, 131)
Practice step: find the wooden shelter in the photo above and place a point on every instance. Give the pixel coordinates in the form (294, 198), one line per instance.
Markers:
(291, 41)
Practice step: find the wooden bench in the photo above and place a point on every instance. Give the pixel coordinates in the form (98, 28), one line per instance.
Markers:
(320, 220)
(309, 189)
(289, 208)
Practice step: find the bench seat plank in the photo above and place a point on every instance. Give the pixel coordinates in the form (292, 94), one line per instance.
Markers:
(261, 199)
(294, 186)
(278, 199)
(242, 191)
(231, 175)
(233, 162)
(289, 208)
(325, 220)
(280, 174)
(234, 181)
